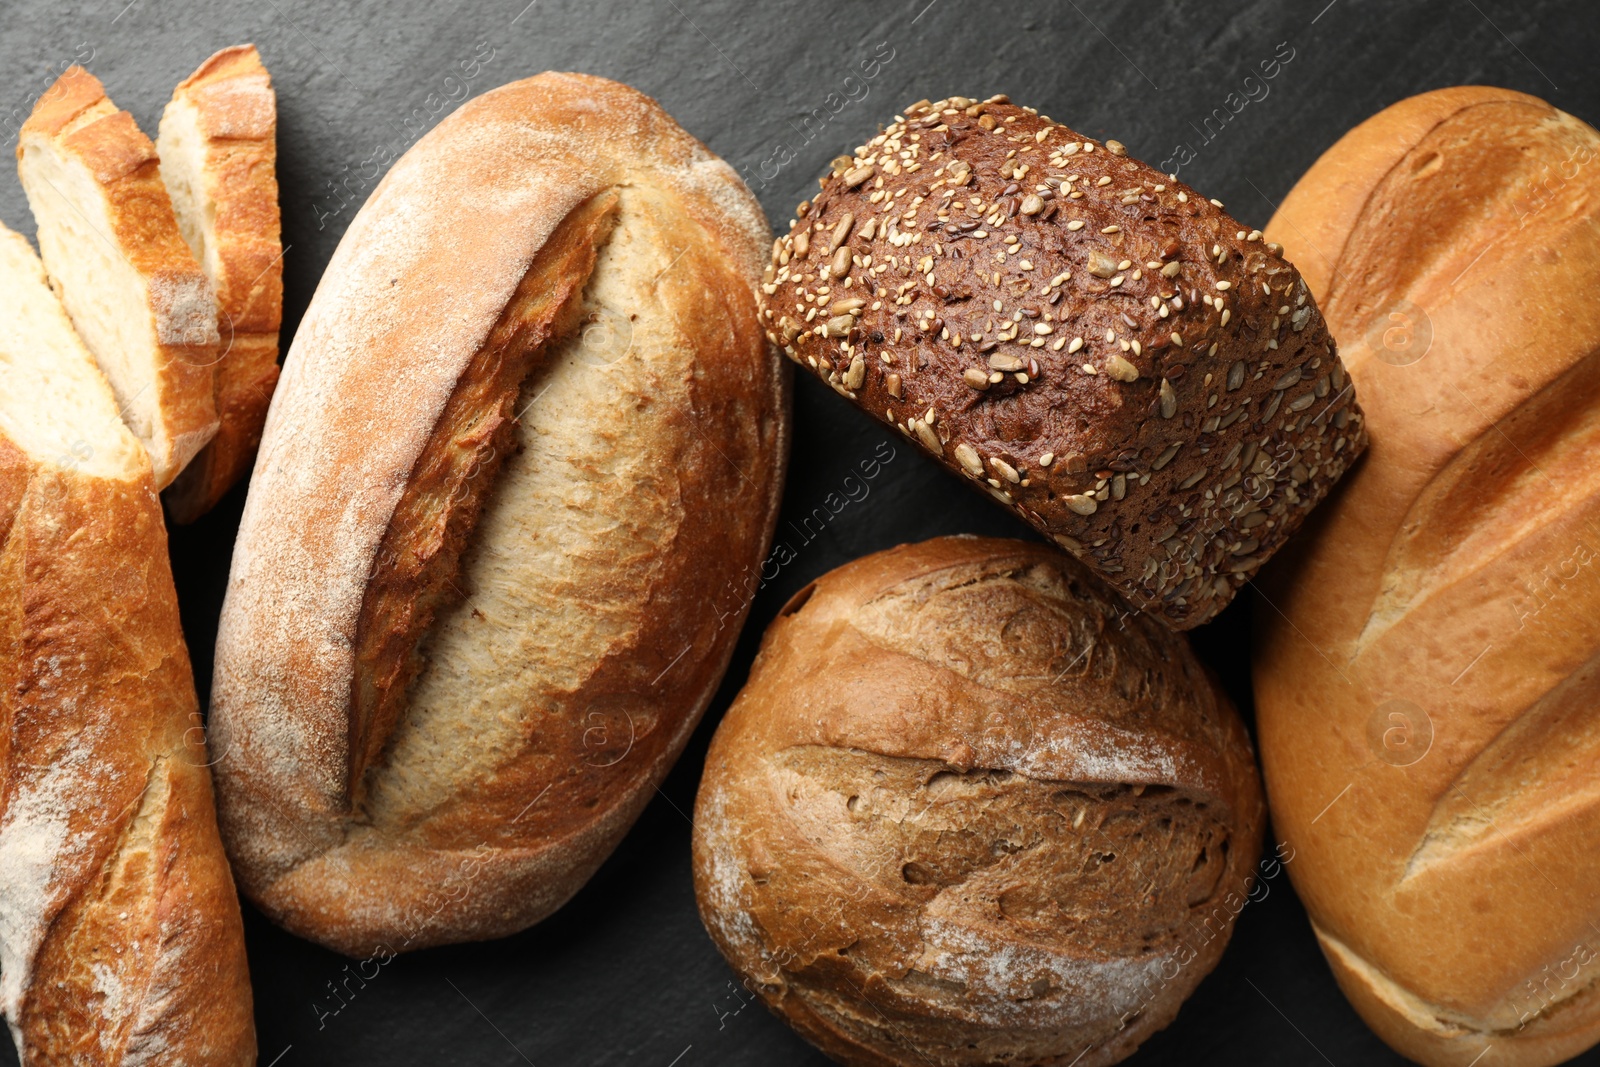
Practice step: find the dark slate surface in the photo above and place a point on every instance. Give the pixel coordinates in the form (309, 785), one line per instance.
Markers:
(624, 974)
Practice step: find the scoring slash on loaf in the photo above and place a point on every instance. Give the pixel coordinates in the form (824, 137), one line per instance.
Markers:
(526, 450)
(219, 162)
(110, 242)
(1106, 352)
(120, 937)
(1433, 666)
(970, 810)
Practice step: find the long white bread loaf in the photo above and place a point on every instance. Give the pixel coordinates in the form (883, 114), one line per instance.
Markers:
(120, 936)
(1427, 681)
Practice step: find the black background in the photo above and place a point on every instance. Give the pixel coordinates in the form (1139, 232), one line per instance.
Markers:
(625, 974)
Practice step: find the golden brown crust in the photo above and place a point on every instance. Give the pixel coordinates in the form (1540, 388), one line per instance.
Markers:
(140, 951)
(236, 111)
(77, 118)
(970, 809)
(1432, 668)
(1106, 352)
(422, 710)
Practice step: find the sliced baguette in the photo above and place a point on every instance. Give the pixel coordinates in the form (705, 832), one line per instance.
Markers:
(120, 936)
(111, 246)
(219, 163)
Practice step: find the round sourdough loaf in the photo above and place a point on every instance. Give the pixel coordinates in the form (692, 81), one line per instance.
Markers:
(970, 809)
(527, 448)
(1102, 349)
(1426, 688)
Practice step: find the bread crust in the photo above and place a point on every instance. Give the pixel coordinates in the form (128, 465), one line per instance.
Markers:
(236, 111)
(76, 119)
(1020, 715)
(120, 935)
(349, 821)
(1444, 601)
(1093, 343)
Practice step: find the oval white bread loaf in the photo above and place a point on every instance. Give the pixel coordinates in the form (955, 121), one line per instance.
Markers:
(219, 162)
(110, 242)
(527, 436)
(1426, 698)
(120, 936)
(972, 809)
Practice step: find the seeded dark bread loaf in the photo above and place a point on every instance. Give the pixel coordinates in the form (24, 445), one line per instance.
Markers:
(970, 809)
(121, 943)
(1426, 691)
(527, 447)
(1111, 355)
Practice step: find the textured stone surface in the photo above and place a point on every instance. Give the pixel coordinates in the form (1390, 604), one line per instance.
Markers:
(625, 974)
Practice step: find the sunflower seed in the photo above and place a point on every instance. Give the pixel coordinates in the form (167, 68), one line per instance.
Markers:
(968, 458)
(841, 232)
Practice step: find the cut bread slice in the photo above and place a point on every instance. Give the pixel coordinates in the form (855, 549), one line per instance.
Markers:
(55, 405)
(111, 246)
(219, 162)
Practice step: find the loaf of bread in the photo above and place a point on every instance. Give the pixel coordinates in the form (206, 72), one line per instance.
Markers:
(219, 157)
(120, 937)
(1106, 352)
(969, 809)
(1426, 686)
(110, 242)
(526, 451)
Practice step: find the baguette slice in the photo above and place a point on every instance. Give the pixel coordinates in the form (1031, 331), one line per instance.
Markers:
(219, 162)
(110, 242)
(120, 936)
